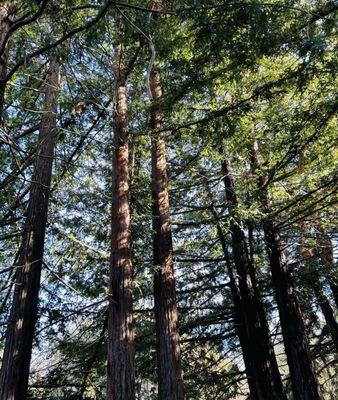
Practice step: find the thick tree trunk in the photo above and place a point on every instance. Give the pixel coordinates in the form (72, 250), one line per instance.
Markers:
(265, 371)
(303, 378)
(19, 337)
(167, 338)
(121, 363)
(5, 13)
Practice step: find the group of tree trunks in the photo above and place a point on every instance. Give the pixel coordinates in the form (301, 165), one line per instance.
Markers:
(262, 370)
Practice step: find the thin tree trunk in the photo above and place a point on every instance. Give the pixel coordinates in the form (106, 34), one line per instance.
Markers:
(326, 255)
(121, 363)
(238, 312)
(303, 378)
(327, 311)
(265, 368)
(334, 290)
(167, 337)
(91, 361)
(19, 336)
(319, 255)
(5, 13)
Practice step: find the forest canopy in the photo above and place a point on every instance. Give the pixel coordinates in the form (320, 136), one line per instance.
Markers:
(168, 200)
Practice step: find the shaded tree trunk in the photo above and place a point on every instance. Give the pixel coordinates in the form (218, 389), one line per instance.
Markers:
(334, 290)
(166, 315)
(303, 378)
(328, 313)
(5, 13)
(238, 312)
(316, 257)
(326, 255)
(19, 336)
(264, 365)
(121, 363)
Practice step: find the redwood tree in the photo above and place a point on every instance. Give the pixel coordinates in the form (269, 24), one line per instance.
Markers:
(256, 340)
(121, 363)
(24, 312)
(303, 378)
(170, 380)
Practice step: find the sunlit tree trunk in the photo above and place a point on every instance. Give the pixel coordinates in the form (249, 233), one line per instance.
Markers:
(121, 363)
(167, 337)
(23, 316)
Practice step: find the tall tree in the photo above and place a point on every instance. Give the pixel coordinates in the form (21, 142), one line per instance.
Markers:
(24, 312)
(265, 369)
(302, 373)
(316, 256)
(238, 310)
(121, 363)
(170, 378)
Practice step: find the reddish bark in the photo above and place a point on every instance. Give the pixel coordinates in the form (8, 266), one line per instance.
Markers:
(121, 364)
(167, 337)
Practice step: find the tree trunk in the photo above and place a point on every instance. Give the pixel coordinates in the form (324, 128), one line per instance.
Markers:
(264, 365)
(238, 313)
(19, 336)
(327, 311)
(167, 338)
(326, 255)
(5, 13)
(121, 363)
(303, 378)
(334, 290)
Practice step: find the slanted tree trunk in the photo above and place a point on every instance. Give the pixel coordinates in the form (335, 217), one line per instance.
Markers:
(303, 378)
(327, 311)
(316, 256)
(5, 13)
(121, 363)
(23, 316)
(170, 380)
(334, 290)
(238, 311)
(265, 371)
(302, 374)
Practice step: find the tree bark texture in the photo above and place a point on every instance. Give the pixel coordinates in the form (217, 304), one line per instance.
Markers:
(170, 380)
(121, 358)
(23, 316)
